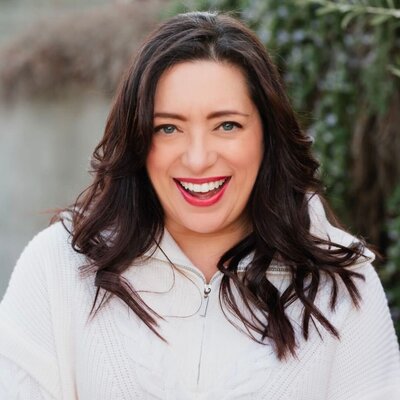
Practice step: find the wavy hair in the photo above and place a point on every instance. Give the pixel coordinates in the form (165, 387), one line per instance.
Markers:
(119, 217)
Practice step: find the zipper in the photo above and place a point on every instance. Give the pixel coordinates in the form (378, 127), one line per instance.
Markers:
(207, 288)
(272, 268)
(278, 268)
(203, 314)
(204, 303)
(200, 274)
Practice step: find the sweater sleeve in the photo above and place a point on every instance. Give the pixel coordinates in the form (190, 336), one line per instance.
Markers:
(26, 334)
(16, 384)
(367, 360)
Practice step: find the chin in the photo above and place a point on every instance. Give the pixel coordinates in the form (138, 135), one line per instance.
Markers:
(201, 225)
(204, 228)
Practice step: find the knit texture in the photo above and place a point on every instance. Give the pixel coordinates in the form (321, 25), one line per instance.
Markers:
(49, 349)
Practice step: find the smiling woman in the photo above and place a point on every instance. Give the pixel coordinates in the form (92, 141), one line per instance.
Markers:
(204, 160)
(200, 263)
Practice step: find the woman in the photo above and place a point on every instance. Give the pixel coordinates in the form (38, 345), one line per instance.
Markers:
(200, 263)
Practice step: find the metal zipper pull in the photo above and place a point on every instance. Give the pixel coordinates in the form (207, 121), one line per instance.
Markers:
(204, 304)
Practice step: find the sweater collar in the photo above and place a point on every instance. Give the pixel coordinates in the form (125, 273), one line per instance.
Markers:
(169, 251)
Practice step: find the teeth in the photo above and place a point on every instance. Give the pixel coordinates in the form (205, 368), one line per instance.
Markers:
(203, 187)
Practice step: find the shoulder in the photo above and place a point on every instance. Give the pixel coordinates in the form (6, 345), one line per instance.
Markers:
(53, 242)
(372, 304)
(367, 355)
(36, 309)
(48, 257)
(54, 235)
(372, 294)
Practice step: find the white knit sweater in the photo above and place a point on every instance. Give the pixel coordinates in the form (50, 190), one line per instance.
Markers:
(49, 349)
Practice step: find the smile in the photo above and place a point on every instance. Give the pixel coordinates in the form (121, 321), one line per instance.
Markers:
(202, 192)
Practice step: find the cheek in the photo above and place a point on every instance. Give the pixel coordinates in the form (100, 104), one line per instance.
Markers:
(154, 166)
(256, 149)
(159, 163)
(247, 156)
(156, 159)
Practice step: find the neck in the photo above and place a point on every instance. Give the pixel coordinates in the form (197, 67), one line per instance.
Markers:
(205, 249)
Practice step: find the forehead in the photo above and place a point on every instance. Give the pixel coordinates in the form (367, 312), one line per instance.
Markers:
(203, 84)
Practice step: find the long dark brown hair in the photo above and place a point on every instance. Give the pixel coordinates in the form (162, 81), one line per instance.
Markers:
(119, 217)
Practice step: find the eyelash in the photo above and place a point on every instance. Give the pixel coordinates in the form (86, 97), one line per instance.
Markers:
(235, 125)
(157, 129)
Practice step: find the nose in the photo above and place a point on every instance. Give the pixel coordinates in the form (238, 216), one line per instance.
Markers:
(199, 153)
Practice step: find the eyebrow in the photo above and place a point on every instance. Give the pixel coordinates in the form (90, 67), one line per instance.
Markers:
(212, 115)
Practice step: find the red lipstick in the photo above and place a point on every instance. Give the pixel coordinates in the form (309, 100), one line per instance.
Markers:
(202, 202)
(201, 180)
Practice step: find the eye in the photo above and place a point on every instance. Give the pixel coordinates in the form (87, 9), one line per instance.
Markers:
(228, 126)
(166, 129)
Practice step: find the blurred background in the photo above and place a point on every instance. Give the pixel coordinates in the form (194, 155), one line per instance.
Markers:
(60, 62)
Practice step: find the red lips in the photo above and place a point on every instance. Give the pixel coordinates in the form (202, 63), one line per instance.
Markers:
(201, 180)
(205, 202)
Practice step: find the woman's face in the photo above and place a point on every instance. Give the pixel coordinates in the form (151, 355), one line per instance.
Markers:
(207, 147)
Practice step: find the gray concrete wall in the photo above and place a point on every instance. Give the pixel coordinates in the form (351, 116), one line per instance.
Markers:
(46, 144)
(17, 15)
(45, 147)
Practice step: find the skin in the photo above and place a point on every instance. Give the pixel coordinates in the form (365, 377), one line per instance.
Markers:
(195, 144)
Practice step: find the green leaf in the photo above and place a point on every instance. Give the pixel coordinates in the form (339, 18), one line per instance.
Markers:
(347, 19)
(379, 19)
(326, 9)
(391, 4)
(394, 70)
